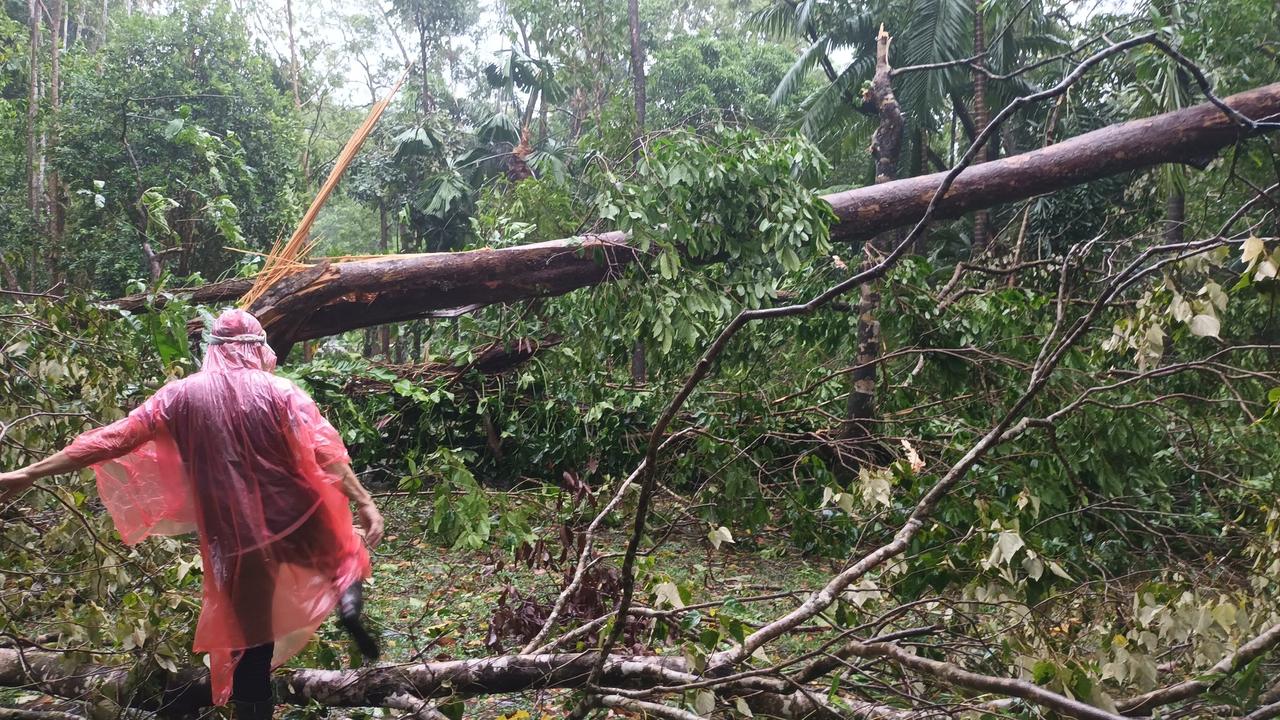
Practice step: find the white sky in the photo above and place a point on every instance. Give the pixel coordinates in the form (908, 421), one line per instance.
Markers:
(319, 23)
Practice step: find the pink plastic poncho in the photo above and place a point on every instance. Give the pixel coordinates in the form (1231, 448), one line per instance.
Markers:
(237, 455)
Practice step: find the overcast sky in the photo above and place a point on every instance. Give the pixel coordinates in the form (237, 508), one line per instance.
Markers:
(319, 22)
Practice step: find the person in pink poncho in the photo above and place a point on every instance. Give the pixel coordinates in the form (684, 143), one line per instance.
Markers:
(243, 458)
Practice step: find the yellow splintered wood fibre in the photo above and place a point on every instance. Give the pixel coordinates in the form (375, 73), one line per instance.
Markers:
(283, 258)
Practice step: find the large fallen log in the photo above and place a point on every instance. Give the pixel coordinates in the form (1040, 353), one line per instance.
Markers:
(183, 693)
(188, 690)
(329, 298)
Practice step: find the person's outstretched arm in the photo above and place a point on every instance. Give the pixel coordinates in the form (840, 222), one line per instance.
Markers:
(367, 515)
(95, 446)
(13, 483)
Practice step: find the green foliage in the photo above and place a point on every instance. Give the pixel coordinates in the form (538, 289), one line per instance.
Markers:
(180, 133)
(69, 366)
(183, 132)
(532, 210)
(731, 198)
(698, 80)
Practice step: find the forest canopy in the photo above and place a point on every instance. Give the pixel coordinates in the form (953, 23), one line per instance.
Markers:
(892, 359)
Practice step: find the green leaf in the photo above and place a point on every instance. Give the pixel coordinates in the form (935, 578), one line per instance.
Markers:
(454, 709)
(173, 127)
(1043, 672)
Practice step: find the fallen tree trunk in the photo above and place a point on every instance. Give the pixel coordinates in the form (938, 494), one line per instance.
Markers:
(183, 693)
(188, 690)
(330, 298)
(490, 361)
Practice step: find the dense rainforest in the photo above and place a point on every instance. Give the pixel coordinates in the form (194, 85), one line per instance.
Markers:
(877, 359)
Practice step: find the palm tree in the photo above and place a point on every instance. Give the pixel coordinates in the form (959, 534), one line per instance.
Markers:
(936, 31)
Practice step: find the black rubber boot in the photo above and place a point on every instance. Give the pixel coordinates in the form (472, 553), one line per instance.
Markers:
(350, 606)
(251, 691)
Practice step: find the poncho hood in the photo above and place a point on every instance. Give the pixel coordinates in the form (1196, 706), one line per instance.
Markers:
(238, 342)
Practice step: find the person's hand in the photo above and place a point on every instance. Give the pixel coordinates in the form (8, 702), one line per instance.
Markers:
(13, 484)
(370, 521)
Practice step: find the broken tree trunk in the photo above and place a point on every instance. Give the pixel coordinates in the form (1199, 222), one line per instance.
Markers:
(886, 147)
(327, 299)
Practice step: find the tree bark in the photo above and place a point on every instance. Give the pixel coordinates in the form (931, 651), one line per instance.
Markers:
(427, 104)
(886, 147)
(1175, 210)
(55, 204)
(34, 190)
(384, 244)
(637, 63)
(639, 361)
(1191, 137)
(326, 299)
(187, 691)
(100, 34)
(960, 112)
(981, 218)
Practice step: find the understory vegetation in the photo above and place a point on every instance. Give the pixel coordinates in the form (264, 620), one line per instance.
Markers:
(1021, 461)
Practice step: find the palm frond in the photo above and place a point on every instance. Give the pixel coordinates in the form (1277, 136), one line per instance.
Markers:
(940, 31)
(546, 163)
(777, 20)
(858, 30)
(803, 14)
(825, 104)
(799, 70)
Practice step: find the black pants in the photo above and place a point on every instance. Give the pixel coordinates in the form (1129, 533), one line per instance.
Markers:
(251, 681)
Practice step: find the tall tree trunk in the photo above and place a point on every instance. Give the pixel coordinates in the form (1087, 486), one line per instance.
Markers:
(99, 37)
(542, 122)
(297, 97)
(384, 237)
(919, 153)
(886, 147)
(57, 208)
(535, 95)
(637, 63)
(526, 118)
(427, 104)
(981, 219)
(293, 54)
(34, 189)
(35, 163)
(71, 38)
(1175, 208)
(9, 276)
(639, 362)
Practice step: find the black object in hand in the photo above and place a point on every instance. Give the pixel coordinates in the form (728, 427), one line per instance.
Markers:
(349, 607)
